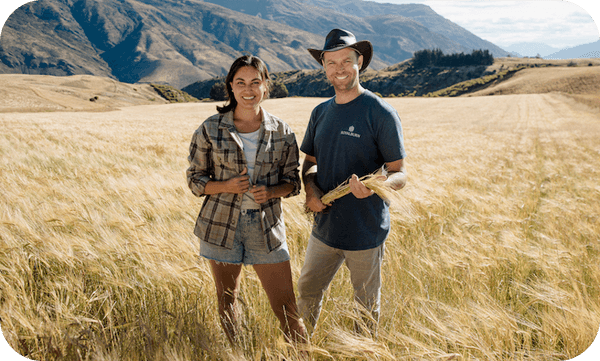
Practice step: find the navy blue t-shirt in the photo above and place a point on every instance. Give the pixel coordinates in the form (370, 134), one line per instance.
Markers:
(358, 137)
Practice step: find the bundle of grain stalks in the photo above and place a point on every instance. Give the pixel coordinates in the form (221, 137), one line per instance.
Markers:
(375, 182)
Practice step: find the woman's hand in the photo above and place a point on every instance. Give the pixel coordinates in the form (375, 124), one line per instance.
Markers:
(239, 184)
(261, 193)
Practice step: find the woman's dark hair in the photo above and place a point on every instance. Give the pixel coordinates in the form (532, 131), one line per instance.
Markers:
(246, 60)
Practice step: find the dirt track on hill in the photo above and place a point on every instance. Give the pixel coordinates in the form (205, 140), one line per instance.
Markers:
(569, 80)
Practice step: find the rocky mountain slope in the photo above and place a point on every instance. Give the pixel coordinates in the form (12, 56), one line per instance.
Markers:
(162, 41)
(396, 30)
(178, 42)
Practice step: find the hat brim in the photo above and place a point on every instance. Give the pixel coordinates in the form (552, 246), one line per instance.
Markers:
(364, 48)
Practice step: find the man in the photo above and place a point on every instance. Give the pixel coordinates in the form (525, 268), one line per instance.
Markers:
(353, 134)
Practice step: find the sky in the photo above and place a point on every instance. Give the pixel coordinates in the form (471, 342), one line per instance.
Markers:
(557, 23)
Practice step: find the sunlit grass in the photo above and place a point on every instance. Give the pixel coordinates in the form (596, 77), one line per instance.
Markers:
(494, 251)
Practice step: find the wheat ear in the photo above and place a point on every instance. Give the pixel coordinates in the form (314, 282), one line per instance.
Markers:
(371, 181)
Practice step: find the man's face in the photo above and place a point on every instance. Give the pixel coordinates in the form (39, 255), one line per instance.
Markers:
(342, 68)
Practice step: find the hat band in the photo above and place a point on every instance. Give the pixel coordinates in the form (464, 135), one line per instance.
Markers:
(340, 48)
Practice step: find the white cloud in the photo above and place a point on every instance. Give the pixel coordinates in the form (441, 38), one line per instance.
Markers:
(554, 22)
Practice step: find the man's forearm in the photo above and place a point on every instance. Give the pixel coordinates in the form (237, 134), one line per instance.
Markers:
(396, 180)
(313, 192)
(309, 176)
(396, 174)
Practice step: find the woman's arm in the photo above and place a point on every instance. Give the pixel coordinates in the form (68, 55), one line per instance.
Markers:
(263, 193)
(236, 185)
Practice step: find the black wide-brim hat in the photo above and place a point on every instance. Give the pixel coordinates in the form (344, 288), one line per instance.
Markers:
(339, 39)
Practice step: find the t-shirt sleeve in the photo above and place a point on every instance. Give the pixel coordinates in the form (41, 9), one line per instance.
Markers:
(308, 143)
(390, 137)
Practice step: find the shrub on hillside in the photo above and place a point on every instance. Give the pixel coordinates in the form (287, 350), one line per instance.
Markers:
(278, 90)
(218, 92)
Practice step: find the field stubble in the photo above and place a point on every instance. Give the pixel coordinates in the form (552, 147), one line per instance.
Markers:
(493, 255)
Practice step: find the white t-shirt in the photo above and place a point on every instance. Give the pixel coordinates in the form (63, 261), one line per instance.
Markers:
(250, 142)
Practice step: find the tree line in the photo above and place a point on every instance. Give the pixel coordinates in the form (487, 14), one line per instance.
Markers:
(435, 57)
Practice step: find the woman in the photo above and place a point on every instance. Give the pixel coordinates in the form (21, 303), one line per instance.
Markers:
(244, 160)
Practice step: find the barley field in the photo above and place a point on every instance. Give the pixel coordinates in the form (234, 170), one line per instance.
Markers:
(494, 252)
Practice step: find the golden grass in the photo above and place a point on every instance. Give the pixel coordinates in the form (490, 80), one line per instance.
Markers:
(496, 260)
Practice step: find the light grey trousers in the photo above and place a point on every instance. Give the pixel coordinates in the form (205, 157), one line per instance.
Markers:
(322, 262)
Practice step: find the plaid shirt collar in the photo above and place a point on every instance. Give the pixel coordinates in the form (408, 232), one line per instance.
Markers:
(268, 124)
(227, 122)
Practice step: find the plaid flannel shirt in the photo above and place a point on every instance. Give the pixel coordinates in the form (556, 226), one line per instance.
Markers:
(216, 154)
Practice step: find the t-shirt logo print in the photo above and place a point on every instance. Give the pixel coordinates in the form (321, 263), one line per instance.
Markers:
(350, 132)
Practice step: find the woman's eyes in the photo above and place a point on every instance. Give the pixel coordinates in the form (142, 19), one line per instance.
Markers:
(254, 83)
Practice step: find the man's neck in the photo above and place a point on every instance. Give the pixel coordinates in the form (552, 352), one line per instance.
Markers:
(346, 96)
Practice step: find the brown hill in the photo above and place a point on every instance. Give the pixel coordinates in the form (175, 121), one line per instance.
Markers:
(581, 83)
(504, 76)
(565, 79)
(42, 93)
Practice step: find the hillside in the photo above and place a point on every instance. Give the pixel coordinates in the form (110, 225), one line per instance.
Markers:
(401, 79)
(159, 41)
(581, 83)
(177, 43)
(396, 30)
(579, 80)
(404, 80)
(43, 93)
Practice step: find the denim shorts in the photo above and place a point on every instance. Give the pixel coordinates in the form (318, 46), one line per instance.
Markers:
(249, 244)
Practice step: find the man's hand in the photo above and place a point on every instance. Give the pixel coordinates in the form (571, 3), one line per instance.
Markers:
(239, 184)
(313, 192)
(313, 198)
(357, 188)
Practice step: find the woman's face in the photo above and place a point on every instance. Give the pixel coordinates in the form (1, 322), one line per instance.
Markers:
(248, 87)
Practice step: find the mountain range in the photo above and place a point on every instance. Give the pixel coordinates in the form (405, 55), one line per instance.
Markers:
(591, 50)
(178, 42)
(531, 49)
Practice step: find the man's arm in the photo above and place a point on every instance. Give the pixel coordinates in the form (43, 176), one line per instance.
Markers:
(313, 192)
(396, 174)
(396, 179)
